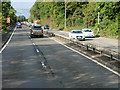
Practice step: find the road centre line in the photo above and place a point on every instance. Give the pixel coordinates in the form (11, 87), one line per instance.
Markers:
(88, 58)
(43, 64)
(7, 41)
(37, 50)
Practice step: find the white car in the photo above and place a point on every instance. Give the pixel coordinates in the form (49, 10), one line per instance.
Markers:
(88, 32)
(76, 34)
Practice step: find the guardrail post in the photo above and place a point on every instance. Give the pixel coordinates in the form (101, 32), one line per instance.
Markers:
(94, 50)
(76, 43)
(69, 41)
(65, 39)
(101, 53)
(87, 47)
(111, 57)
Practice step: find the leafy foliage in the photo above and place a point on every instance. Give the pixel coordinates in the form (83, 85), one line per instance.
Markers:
(79, 14)
(7, 11)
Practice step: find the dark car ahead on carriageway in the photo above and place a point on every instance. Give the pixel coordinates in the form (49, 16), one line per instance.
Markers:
(36, 31)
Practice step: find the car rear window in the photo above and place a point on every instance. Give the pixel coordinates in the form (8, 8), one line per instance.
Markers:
(46, 26)
(76, 32)
(18, 23)
(87, 30)
(37, 27)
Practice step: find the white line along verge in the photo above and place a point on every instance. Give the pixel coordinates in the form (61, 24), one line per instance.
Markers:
(89, 58)
(8, 41)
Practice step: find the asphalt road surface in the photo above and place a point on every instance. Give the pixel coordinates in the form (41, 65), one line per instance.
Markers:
(62, 68)
(107, 43)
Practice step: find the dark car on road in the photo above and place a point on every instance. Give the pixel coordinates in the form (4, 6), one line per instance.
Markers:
(36, 31)
(19, 25)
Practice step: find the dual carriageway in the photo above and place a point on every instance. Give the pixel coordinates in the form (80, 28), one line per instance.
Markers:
(51, 62)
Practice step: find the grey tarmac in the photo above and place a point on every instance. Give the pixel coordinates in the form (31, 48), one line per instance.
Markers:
(22, 66)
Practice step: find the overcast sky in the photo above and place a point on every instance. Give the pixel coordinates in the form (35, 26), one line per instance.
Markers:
(22, 6)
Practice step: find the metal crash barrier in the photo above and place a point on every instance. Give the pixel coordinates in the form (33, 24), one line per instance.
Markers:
(94, 48)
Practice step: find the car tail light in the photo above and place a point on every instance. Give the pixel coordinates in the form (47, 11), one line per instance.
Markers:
(31, 31)
(42, 31)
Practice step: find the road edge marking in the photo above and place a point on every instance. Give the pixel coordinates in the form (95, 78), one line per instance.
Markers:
(37, 51)
(2, 49)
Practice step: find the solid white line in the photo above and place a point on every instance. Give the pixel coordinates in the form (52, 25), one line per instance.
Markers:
(89, 58)
(37, 50)
(43, 64)
(7, 41)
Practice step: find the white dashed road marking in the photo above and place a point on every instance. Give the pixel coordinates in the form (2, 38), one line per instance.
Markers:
(37, 50)
(43, 64)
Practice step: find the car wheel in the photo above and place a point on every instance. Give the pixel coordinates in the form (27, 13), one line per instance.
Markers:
(31, 36)
(41, 36)
(83, 39)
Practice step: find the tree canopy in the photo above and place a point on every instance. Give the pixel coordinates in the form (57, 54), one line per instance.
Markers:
(80, 15)
(7, 11)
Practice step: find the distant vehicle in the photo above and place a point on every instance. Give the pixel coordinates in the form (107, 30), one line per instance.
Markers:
(88, 32)
(77, 34)
(29, 24)
(19, 25)
(46, 27)
(36, 31)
